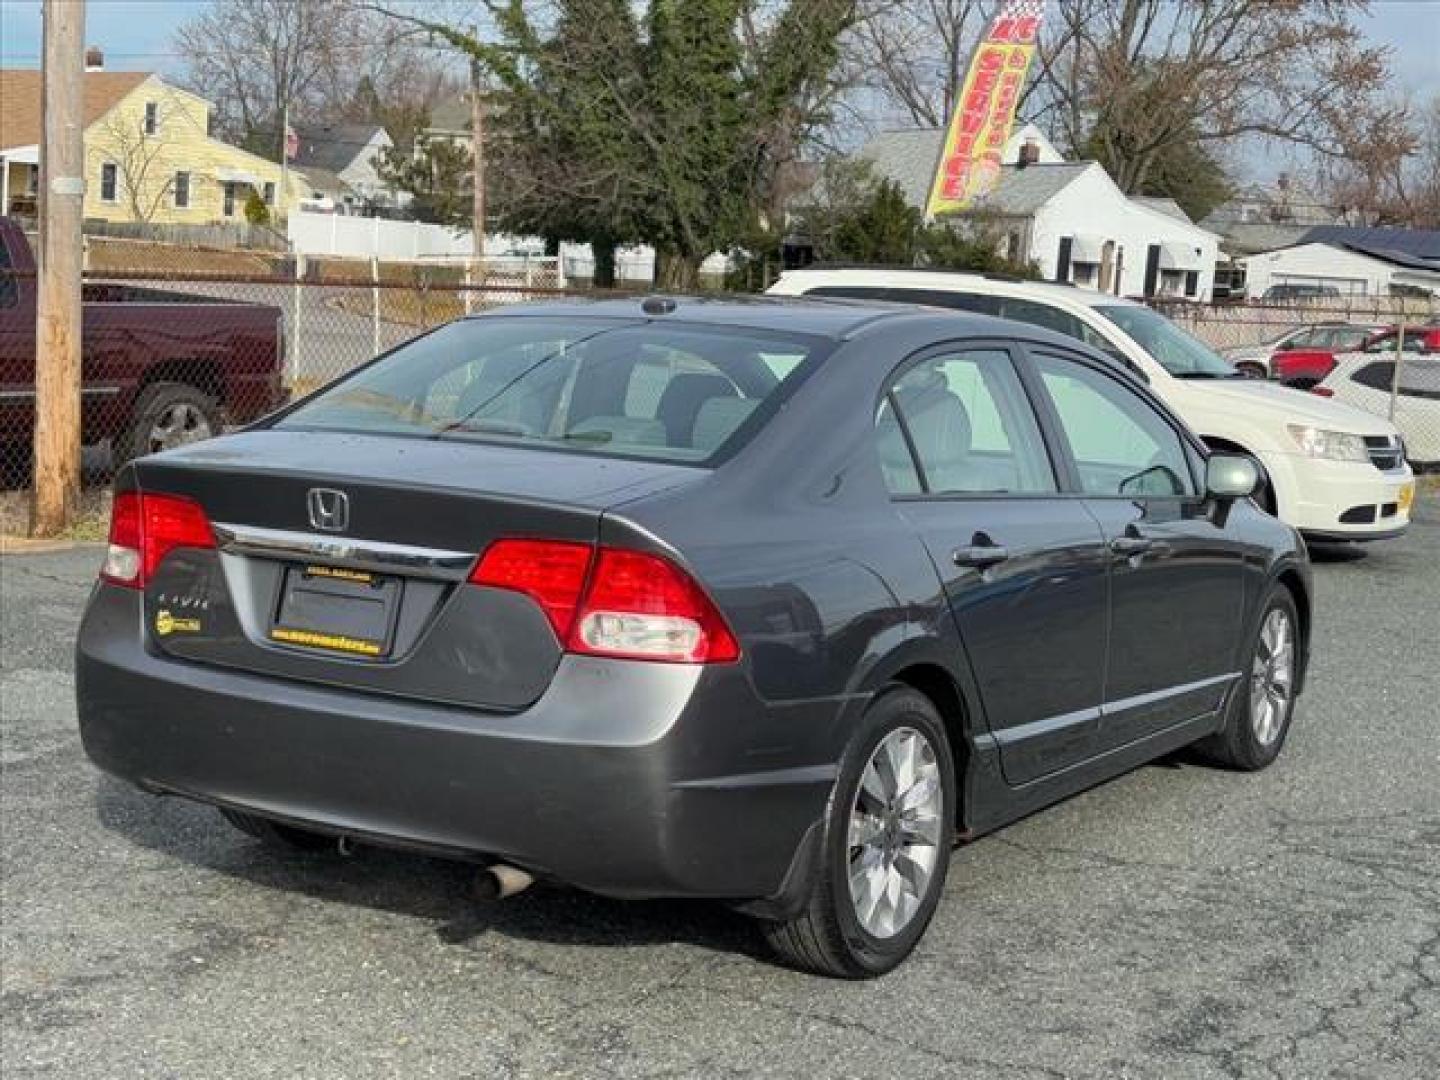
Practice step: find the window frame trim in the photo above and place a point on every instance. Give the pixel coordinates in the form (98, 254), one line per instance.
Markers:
(1060, 468)
(1190, 445)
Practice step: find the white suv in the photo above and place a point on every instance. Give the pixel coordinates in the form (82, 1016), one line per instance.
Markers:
(1333, 472)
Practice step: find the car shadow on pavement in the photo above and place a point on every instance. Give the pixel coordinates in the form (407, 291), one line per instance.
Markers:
(1337, 553)
(415, 885)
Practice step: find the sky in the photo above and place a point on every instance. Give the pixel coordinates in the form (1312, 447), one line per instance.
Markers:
(136, 35)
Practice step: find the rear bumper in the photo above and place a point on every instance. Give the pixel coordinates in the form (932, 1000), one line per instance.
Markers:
(1339, 500)
(629, 779)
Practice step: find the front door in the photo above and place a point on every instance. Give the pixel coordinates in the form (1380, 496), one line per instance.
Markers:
(1167, 553)
(1023, 566)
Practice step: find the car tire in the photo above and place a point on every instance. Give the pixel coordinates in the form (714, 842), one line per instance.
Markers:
(1251, 370)
(166, 415)
(834, 934)
(1257, 718)
(274, 834)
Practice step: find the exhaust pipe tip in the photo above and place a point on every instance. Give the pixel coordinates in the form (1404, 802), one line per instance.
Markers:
(498, 881)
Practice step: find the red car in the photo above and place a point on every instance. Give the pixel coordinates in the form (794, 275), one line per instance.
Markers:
(1303, 368)
(158, 368)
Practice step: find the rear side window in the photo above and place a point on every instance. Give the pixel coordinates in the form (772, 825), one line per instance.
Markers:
(1419, 378)
(1120, 444)
(961, 423)
(658, 391)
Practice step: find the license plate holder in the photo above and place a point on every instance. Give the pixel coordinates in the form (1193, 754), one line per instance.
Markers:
(337, 611)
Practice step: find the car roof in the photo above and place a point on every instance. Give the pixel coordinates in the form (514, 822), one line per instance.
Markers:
(952, 281)
(833, 318)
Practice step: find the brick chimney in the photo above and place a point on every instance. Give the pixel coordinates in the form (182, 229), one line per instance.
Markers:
(1029, 154)
(94, 59)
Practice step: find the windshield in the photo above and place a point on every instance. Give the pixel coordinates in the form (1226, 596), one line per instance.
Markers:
(638, 389)
(1173, 349)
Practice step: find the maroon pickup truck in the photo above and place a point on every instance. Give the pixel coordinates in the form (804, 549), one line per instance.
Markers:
(159, 368)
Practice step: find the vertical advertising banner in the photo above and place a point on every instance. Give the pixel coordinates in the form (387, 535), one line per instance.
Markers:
(985, 110)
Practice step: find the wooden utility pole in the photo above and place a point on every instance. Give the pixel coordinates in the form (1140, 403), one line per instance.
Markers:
(477, 151)
(58, 318)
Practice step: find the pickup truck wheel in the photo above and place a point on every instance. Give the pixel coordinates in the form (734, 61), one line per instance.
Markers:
(167, 415)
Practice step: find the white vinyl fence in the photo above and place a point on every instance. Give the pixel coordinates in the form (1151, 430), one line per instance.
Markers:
(360, 237)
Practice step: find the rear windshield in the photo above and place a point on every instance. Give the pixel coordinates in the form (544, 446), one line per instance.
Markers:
(654, 391)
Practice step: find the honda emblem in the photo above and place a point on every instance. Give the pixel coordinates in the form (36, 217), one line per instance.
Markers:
(329, 509)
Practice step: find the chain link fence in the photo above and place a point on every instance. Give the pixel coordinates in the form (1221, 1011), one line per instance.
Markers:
(181, 342)
(1345, 350)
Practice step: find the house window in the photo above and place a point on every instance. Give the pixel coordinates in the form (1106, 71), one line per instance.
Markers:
(229, 207)
(109, 181)
(1192, 282)
(1171, 282)
(182, 190)
(152, 117)
(269, 193)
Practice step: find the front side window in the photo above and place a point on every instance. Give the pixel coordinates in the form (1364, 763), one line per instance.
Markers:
(1176, 351)
(269, 193)
(152, 117)
(228, 205)
(182, 190)
(969, 424)
(1121, 445)
(109, 182)
(653, 391)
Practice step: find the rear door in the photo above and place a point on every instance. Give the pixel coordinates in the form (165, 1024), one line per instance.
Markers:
(1176, 584)
(1023, 566)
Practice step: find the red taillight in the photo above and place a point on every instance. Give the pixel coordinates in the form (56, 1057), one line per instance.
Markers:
(146, 528)
(611, 601)
(1322, 391)
(550, 572)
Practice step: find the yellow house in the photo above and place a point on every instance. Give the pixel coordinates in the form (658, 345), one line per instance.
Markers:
(148, 154)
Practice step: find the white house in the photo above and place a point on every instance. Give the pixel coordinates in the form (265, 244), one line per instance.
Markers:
(1067, 217)
(348, 153)
(1353, 261)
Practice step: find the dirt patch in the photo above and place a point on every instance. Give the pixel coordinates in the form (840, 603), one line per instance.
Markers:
(91, 524)
(143, 257)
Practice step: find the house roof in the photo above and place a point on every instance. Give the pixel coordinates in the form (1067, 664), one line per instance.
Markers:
(1417, 249)
(451, 115)
(333, 146)
(20, 93)
(325, 182)
(1165, 205)
(1024, 191)
(908, 158)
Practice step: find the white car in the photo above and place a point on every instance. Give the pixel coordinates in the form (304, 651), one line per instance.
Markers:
(1333, 472)
(1337, 337)
(1363, 380)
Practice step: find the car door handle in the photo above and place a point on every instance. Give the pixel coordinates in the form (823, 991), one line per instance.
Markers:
(979, 555)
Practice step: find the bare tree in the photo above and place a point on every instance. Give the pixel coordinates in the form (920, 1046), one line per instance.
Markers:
(910, 56)
(1395, 181)
(1129, 80)
(138, 159)
(255, 57)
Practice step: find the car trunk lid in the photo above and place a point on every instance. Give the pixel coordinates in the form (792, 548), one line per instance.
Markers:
(344, 559)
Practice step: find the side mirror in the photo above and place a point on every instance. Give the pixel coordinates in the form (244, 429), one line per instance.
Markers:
(1231, 476)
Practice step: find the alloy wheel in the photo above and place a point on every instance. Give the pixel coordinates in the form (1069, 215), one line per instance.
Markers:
(178, 425)
(1272, 676)
(895, 832)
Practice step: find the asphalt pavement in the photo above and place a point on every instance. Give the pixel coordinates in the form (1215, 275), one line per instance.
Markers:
(1179, 922)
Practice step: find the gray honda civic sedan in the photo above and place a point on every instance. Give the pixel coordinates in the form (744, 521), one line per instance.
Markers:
(770, 602)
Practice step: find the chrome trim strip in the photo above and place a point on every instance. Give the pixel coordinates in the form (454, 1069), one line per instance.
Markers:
(374, 555)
